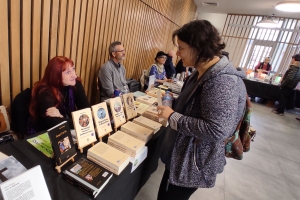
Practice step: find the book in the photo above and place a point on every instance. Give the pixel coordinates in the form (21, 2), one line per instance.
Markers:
(139, 158)
(152, 113)
(84, 127)
(140, 107)
(146, 99)
(9, 168)
(88, 174)
(117, 111)
(138, 94)
(101, 119)
(137, 131)
(28, 185)
(3, 156)
(62, 143)
(125, 143)
(148, 123)
(153, 92)
(129, 106)
(43, 144)
(108, 157)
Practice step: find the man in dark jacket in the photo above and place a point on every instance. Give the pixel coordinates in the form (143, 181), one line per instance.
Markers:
(288, 83)
(169, 66)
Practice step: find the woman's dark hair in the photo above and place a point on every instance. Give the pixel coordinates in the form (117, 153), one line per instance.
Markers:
(203, 37)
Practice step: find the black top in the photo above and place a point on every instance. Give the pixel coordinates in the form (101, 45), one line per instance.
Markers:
(180, 68)
(169, 67)
(46, 100)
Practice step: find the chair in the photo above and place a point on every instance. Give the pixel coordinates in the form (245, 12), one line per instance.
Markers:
(20, 112)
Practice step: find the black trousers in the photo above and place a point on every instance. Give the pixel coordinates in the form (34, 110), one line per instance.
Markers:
(286, 98)
(168, 191)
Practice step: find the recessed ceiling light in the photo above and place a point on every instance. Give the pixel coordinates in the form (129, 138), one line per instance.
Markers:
(289, 6)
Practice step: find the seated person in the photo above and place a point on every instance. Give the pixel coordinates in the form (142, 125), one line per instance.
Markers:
(158, 70)
(180, 68)
(265, 66)
(112, 73)
(55, 96)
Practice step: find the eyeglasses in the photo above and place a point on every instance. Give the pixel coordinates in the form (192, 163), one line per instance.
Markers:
(123, 50)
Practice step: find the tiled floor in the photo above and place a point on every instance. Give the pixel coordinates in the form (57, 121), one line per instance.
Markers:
(271, 170)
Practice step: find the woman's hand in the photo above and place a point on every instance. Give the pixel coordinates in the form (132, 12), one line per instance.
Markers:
(170, 80)
(53, 112)
(164, 111)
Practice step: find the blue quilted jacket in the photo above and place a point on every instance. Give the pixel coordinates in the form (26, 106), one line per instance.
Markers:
(211, 117)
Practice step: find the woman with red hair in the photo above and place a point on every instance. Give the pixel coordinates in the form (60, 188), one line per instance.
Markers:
(55, 96)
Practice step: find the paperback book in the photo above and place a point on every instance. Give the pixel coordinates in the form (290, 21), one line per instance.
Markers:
(101, 118)
(129, 106)
(88, 174)
(137, 131)
(43, 144)
(140, 107)
(62, 143)
(146, 99)
(84, 127)
(148, 123)
(117, 111)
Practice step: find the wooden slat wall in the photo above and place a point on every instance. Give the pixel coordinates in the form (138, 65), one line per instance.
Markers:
(34, 31)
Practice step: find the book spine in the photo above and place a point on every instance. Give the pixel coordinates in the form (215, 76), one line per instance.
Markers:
(79, 185)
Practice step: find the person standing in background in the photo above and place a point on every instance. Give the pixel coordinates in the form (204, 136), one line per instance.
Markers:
(112, 73)
(169, 66)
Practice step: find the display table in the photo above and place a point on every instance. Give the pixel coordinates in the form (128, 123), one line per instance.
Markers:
(262, 90)
(125, 186)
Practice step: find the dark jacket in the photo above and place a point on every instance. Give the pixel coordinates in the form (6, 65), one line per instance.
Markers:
(211, 116)
(169, 67)
(291, 77)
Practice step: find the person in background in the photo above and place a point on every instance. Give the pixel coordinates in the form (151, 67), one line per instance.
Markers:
(207, 112)
(264, 66)
(158, 70)
(289, 81)
(112, 73)
(55, 96)
(169, 66)
(180, 68)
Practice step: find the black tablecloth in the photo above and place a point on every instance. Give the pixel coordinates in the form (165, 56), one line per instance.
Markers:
(262, 90)
(125, 186)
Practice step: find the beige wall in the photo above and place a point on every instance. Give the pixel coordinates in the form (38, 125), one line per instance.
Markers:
(218, 20)
(34, 31)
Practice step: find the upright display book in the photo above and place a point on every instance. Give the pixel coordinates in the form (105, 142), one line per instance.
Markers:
(137, 131)
(129, 106)
(84, 127)
(101, 118)
(140, 107)
(62, 143)
(148, 123)
(117, 111)
(125, 143)
(89, 174)
(28, 185)
(108, 157)
(43, 144)
(9, 168)
(146, 99)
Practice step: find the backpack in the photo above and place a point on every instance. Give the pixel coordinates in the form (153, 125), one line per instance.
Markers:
(239, 142)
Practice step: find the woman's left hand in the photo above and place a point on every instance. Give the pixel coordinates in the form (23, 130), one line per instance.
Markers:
(53, 112)
(164, 111)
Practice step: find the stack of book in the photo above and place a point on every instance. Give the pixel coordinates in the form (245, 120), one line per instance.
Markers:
(126, 143)
(146, 99)
(153, 92)
(108, 157)
(152, 113)
(137, 131)
(140, 107)
(148, 123)
(87, 176)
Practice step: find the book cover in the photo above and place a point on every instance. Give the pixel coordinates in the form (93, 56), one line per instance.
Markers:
(90, 174)
(42, 143)
(129, 106)
(79, 185)
(84, 127)
(138, 94)
(154, 92)
(101, 119)
(117, 111)
(28, 185)
(148, 123)
(9, 168)
(146, 99)
(62, 143)
(140, 107)
(137, 131)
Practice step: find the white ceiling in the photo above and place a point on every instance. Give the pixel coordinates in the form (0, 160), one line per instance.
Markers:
(252, 7)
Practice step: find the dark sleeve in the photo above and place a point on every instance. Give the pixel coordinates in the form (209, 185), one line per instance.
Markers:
(47, 100)
(81, 100)
(179, 67)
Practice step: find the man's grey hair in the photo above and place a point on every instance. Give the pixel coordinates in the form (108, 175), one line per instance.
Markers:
(112, 47)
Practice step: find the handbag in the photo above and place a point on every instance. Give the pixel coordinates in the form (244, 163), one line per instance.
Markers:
(239, 142)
